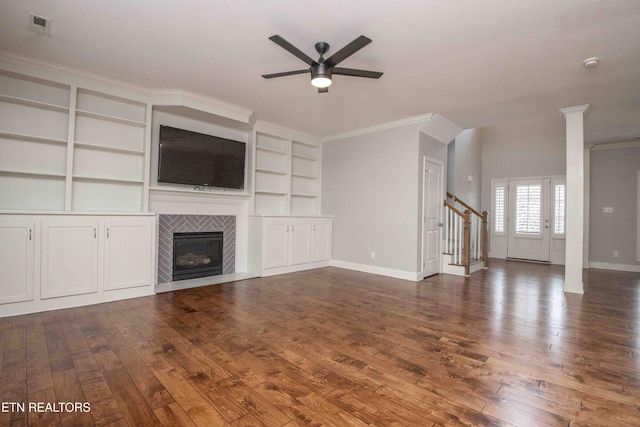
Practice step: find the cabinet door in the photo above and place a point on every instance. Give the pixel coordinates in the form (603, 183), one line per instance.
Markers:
(127, 254)
(276, 243)
(69, 258)
(321, 240)
(300, 241)
(16, 262)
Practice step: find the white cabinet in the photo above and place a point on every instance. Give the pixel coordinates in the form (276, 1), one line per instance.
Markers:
(127, 254)
(54, 261)
(276, 243)
(320, 239)
(287, 244)
(69, 258)
(16, 261)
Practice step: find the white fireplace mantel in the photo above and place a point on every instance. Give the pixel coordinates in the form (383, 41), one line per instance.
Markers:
(167, 201)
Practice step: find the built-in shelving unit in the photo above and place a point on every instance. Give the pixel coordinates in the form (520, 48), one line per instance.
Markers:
(286, 176)
(64, 147)
(34, 121)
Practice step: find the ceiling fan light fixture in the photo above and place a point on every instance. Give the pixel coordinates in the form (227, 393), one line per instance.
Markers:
(321, 75)
(321, 81)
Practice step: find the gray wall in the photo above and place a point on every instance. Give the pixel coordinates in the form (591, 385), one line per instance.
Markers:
(468, 162)
(614, 183)
(370, 183)
(534, 147)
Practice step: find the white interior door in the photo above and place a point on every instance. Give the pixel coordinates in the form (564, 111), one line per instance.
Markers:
(529, 219)
(432, 211)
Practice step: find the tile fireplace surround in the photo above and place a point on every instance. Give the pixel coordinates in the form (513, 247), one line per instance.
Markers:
(169, 224)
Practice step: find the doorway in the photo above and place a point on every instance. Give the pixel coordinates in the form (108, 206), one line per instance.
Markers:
(432, 198)
(528, 221)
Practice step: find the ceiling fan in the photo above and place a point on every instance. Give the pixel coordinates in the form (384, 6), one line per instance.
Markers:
(322, 69)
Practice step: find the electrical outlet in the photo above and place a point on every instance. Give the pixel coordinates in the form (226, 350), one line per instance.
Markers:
(373, 255)
(607, 209)
(615, 254)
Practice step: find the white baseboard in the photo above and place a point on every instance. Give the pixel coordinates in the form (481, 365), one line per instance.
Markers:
(380, 271)
(611, 266)
(202, 281)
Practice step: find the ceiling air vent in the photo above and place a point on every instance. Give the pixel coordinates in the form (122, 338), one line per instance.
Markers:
(39, 24)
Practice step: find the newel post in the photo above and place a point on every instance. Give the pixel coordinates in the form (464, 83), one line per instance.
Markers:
(466, 250)
(485, 238)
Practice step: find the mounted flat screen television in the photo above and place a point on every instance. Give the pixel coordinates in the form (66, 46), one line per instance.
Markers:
(194, 158)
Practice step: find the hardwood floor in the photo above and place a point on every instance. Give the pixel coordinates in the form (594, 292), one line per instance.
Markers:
(336, 347)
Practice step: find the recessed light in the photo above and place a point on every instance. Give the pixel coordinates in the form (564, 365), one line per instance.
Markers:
(591, 62)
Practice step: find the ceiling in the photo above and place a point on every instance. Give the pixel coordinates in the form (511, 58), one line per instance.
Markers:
(477, 63)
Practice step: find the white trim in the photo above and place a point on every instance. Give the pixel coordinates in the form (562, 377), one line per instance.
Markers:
(616, 267)
(615, 145)
(380, 127)
(37, 306)
(381, 271)
(173, 97)
(584, 109)
(287, 133)
(638, 227)
(202, 281)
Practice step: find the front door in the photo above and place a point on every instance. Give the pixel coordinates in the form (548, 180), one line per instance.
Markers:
(529, 219)
(432, 200)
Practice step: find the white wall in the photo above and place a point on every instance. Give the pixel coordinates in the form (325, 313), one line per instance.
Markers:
(614, 184)
(528, 148)
(370, 183)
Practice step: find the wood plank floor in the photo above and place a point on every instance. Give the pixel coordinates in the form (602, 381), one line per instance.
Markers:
(335, 347)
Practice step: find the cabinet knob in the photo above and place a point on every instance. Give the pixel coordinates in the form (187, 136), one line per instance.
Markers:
(292, 227)
(314, 227)
(30, 234)
(95, 233)
(287, 228)
(107, 232)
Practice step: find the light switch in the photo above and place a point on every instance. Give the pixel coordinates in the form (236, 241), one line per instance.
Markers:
(607, 209)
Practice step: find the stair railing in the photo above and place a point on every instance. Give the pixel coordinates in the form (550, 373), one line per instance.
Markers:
(465, 233)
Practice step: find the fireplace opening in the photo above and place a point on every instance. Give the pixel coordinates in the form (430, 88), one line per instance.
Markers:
(197, 255)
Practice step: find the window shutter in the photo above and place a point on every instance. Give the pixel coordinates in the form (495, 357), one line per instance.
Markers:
(529, 209)
(498, 225)
(559, 207)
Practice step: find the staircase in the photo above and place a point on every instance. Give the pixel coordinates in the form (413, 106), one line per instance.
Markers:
(465, 237)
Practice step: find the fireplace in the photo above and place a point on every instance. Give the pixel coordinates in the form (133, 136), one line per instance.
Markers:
(197, 254)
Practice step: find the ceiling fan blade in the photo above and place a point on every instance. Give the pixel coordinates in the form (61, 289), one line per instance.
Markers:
(292, 49)
(323, 90)
(356, 73)
(286, 73)
(347, 51)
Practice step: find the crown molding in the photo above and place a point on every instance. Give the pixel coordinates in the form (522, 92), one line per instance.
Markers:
(582, 109)
(274, 129)
(615, 145)
(30, 61)
(178, 97)
(380, 127)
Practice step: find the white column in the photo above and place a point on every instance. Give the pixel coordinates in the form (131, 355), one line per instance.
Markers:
(574, 117)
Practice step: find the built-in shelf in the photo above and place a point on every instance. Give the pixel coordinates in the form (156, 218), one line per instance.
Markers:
(116, 119)
(301, 156)
(106, 148)
(33, 138)
(271, 192)
(198, 192)
(33, 174)
(107, 179)
(270, 150)
(271, 171)
(33, 103)
(300, 175)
